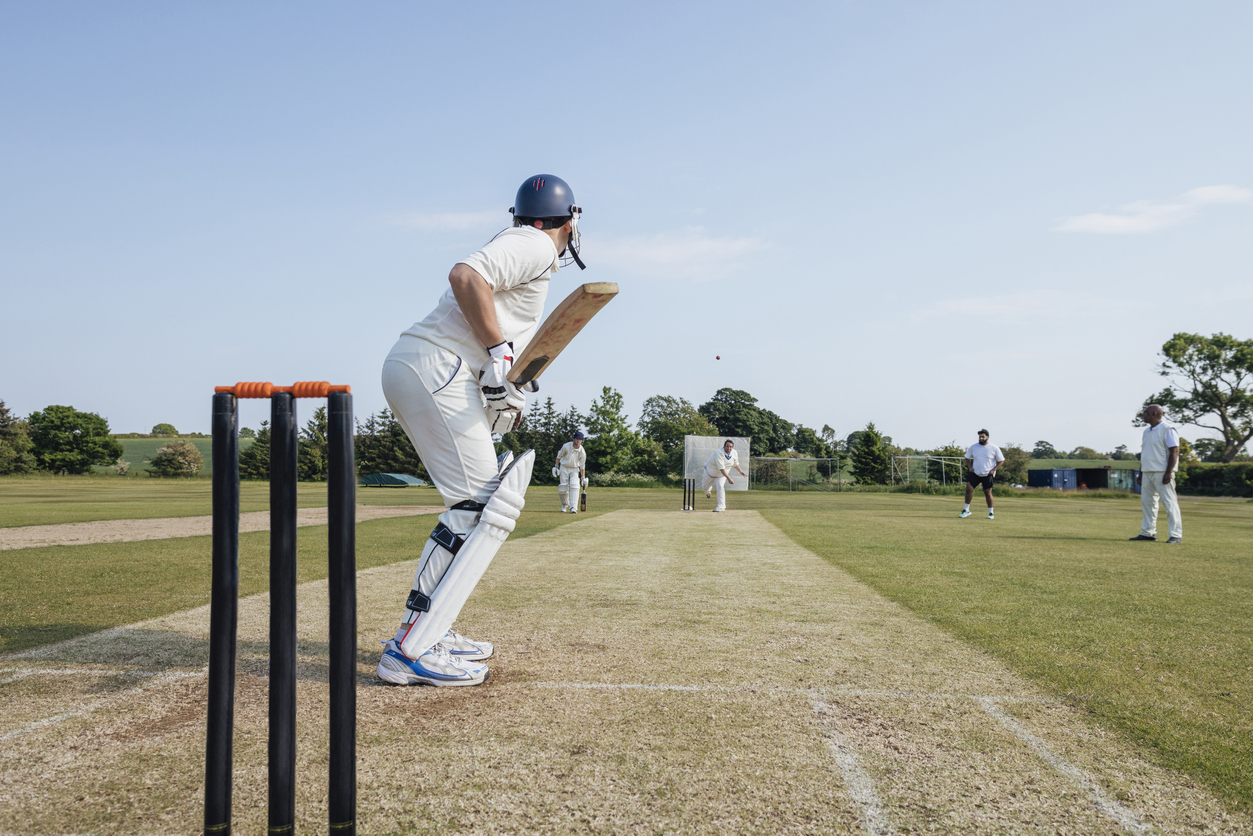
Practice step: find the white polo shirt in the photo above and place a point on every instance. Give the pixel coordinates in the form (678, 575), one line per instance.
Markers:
(1155, 447)
(721, 461)
(569, 456)
(984, 457)
(517, 265)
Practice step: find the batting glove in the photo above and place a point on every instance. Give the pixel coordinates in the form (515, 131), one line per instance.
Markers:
(499, 362)
(585, 481)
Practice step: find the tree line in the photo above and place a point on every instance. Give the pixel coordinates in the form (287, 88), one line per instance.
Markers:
(1210, 385)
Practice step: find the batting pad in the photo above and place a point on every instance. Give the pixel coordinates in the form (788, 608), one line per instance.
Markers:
(499, 517)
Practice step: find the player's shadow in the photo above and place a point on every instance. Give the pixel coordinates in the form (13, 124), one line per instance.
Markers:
(167, 651)
(1056, 537)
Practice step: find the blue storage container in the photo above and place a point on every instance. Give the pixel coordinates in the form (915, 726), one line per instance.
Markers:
(1059, 479)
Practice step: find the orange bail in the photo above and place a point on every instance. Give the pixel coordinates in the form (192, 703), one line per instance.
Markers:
(300, 389)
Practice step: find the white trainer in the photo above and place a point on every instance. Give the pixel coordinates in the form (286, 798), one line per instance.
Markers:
(434, 667)
(459, 647)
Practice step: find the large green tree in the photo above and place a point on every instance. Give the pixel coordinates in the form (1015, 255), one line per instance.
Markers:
(544, 430)
(611, 445)
(254, 462)
(15, 444)
(870, 458)
(734, 412)
(68, 441)
(1210, 385)
(381, 446)
(312, 456)
(665, 421)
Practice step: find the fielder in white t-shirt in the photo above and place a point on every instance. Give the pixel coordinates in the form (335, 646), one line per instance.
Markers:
(446, 380)
(718, 472)
(1159, 456)
(982, 460)
(571, 472)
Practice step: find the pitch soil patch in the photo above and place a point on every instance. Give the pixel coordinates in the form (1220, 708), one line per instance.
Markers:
(655, 672)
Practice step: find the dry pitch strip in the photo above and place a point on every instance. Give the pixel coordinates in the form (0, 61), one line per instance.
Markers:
(645, 681)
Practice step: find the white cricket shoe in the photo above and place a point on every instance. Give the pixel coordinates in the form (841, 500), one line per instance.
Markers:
(963, 515)
(565, 508)
(434, 667)
(708, 494)
(459, 647)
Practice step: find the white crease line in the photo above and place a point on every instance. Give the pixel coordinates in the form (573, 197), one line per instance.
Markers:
(922, 695)
(87, 709)
(859, 784)
(757, 689)
(610, 686)
(22, 674)
(1077, 776)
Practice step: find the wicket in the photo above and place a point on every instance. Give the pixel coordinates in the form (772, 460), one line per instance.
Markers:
(224, 606)
(689, 494)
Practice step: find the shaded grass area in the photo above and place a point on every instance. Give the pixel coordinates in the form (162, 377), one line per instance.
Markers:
(1154, 640)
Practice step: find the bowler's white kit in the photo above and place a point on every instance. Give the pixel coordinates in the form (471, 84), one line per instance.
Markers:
(430, 380)
(571, 461)
(1154, 457)
(719, 460)
(984, 457)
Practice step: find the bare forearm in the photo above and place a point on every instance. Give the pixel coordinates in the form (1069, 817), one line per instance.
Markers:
(474, 298)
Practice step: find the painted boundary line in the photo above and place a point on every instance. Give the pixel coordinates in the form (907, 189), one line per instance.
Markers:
(90, 707)
(858, 782)
(1077, 776)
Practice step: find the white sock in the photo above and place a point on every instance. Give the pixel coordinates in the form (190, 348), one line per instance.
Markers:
(400, 634)
(967, 506)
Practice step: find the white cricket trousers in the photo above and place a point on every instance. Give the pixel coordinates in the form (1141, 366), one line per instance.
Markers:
(569, 486)
(721, 482)
(1151, 488)
(436, 399)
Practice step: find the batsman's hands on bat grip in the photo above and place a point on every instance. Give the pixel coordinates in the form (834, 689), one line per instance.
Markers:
(499, 362)
(585, 481)
(504, 406)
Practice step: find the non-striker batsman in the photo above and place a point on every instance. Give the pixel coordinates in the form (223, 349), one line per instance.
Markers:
(446, 381)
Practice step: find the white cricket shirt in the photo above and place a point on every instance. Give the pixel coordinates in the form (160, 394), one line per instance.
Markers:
(570, 457)
(517, 264)
(721, 461)
(984, 457)
(1155, 447)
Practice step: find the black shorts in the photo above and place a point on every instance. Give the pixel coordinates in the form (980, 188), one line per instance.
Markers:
(975, 480)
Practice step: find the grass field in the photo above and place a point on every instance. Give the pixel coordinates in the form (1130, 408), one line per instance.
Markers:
(1154, 642)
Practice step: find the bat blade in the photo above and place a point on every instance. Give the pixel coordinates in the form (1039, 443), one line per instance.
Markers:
(561, 326)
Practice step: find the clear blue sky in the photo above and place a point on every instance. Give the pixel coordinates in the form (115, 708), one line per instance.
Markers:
(937, 216)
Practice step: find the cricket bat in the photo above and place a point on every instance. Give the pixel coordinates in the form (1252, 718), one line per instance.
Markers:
(561, 326)
(583, 501)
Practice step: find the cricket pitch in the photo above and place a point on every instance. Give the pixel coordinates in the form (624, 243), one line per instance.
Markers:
(656, 672)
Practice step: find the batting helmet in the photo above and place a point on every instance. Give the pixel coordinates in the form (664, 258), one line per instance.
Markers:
(546, 202)
(544, 196)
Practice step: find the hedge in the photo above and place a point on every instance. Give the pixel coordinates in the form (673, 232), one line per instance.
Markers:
(1235, 479)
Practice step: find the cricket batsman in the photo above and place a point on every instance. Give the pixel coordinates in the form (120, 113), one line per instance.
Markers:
(571, 472)
(446, 381)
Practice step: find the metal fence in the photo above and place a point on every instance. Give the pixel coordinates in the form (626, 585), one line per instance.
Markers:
(942, 469)
(778, 474)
